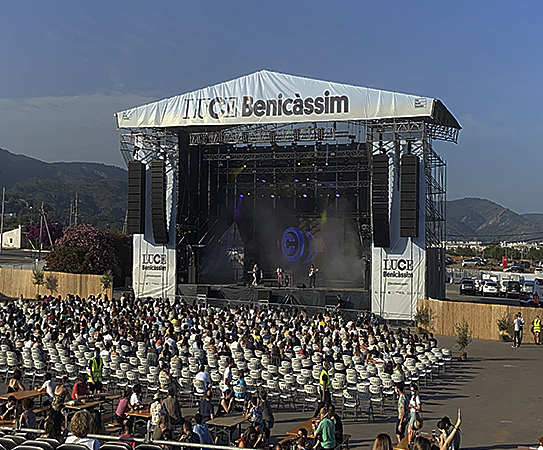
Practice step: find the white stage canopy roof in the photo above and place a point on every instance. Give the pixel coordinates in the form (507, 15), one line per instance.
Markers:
(271, 97)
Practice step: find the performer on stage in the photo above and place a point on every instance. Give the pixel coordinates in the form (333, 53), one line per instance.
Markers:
(280, 276)
(313, 276)
(255, 275)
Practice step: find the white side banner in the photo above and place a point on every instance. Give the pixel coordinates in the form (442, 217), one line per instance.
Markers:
(399, 271)
(154, 272)
(154, 269)
(271, 97)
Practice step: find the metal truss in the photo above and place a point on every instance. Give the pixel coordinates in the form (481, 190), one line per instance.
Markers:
(300, 153)
(307, 185)
(263, 135)
(151, 144)
(293, 170)
(385, 137)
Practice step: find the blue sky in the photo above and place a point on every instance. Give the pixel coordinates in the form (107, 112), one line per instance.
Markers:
(66, 67)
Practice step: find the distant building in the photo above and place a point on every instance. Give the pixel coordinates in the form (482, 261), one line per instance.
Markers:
(16, 238)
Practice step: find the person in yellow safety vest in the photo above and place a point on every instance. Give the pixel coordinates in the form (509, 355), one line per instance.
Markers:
(325, 384)
(96, 365)
(536, 328)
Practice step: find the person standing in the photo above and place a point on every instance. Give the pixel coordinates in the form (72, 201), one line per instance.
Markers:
(518, 322)
(96, 365)
(325, 385)
(313, 276)
(403, 417)
(536, 328)
(206, 408)
(325, 432)
(415, 412)
(255, 275)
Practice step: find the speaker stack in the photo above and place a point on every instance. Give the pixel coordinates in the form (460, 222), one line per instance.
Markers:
(158, 202)
(136, 198)
(379, 201)
(409, 195)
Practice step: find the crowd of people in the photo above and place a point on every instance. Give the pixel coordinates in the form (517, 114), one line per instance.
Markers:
(167, 330)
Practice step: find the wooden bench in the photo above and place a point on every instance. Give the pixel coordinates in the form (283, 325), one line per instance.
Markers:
(344, 442)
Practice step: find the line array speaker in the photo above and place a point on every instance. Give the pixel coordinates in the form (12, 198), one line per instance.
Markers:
(135, 220)
(409, 196)
(158, 202)
(379, 201)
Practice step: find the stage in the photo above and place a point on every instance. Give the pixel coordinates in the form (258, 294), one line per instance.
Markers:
(352, 298)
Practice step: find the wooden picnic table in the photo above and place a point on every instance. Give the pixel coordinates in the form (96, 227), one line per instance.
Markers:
(307, 425)
(20, 395)
(226, 425)
(140, 416)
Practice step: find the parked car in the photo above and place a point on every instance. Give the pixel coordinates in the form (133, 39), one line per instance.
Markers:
(449, 260)
(513, 289)
(516, 268)
(467, 286)
(503, 288)
(471, 262)
(524, 264)
(490, 288)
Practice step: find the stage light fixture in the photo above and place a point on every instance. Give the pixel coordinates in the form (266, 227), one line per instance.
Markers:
(295, 180)
(337, 195)
(272, 196)
(241, 195)
(304, 196)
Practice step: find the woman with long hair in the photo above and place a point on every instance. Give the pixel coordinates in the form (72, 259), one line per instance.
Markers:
(382, 442)
(415, 412)
(421, 443)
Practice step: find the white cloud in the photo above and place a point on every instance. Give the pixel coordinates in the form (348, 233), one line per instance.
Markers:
(76, 128)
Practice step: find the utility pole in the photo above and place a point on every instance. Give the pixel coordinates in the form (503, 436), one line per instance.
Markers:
(41, 233)
(76, 209)
(2, 221)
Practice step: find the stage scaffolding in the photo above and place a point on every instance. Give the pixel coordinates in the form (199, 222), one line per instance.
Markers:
(391, 136)
(255, 148)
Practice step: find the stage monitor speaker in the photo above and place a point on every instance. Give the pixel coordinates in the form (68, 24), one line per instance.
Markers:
(191, 275)
(409, 193)
(135, 220)
(158, 202)
(301, 286)
(379, 201)
(264, 295)
(330, 300)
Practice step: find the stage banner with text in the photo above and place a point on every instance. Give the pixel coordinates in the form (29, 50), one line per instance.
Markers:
(153, 270)
(399, 271)
(154, 267)
(271, 97)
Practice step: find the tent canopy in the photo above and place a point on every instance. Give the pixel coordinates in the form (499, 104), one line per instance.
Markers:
(272, 97)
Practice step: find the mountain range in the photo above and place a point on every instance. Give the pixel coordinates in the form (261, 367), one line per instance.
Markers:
(102, 199)
(101, 190)
(486, 221)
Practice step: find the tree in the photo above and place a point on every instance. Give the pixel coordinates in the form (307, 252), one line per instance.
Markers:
(55, 228)
(84, 249)
(51, 283)
(38, 279)
(107, 280)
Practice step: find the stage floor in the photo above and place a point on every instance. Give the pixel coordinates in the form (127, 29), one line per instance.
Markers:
(352, 298)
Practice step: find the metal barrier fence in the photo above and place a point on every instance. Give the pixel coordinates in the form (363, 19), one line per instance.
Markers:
(259, 304)
(146, 440)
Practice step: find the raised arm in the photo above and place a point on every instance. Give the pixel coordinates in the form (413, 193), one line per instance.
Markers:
(446, 444)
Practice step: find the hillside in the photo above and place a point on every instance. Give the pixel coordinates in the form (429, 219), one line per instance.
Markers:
(484, 220)
(101, 190)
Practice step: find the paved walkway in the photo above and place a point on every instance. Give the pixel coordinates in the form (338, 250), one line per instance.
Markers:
(498, 389)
